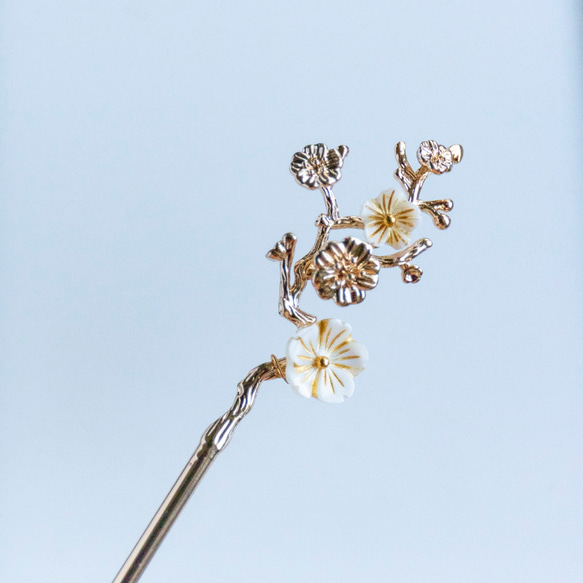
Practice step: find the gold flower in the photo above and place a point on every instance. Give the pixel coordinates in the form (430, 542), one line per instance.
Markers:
(322, 361)
(344, 271)
(437, 158)
(390, 218)
(316, 166)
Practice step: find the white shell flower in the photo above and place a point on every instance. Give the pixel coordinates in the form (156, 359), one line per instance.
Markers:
(390, 218)
(323, 359)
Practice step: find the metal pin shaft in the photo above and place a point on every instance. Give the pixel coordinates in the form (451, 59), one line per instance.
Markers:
(214, 440)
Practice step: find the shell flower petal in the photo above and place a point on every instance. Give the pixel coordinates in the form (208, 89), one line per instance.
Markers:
(435, 157)
(390, 218)
(345, 271)
(316, 166)
(323, 359)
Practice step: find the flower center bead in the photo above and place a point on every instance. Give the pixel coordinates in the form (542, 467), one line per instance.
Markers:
(390, 220)
(322, 361)
(345, 272)
(317, 165)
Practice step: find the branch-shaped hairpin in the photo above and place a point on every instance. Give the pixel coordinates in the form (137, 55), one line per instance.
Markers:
(321, 358)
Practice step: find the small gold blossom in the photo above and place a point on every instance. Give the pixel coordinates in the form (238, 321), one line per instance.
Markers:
(322, 361)
(390, 218)
(317, 166)
(435, 157)
(345, 270)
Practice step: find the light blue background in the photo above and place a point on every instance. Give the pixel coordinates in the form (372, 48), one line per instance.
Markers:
(144, 174)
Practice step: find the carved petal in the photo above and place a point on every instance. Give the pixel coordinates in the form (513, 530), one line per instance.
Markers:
(347, 295)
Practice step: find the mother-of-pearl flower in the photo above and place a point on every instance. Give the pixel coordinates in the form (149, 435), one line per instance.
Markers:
(323, 359)
(390, 218)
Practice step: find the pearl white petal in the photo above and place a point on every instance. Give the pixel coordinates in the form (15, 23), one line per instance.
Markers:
(352, 358)
(330, 390)
(343, 383)
(303, 386)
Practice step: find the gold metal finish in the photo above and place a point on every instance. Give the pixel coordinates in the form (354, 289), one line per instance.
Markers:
(318, 167)
(345, 271)
(434, 159)
(277, 367)
(437, 210)
(342, 270)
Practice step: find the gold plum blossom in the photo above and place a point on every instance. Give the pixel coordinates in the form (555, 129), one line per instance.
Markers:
(316, 166)
(345, 271)
(435, 157)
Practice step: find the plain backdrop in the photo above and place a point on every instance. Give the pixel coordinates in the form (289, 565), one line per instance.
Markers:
(143, 176)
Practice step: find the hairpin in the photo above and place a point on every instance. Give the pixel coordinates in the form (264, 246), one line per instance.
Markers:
(321, 358)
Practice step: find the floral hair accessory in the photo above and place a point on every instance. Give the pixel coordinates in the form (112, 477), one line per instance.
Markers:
(321, 358)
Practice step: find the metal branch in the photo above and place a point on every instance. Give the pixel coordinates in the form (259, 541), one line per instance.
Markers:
(405, 256)
(437, 209)
(349, 222)
(288, 305)
(330, 201)
(411, 180)
(304, 266)
(404, 173)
